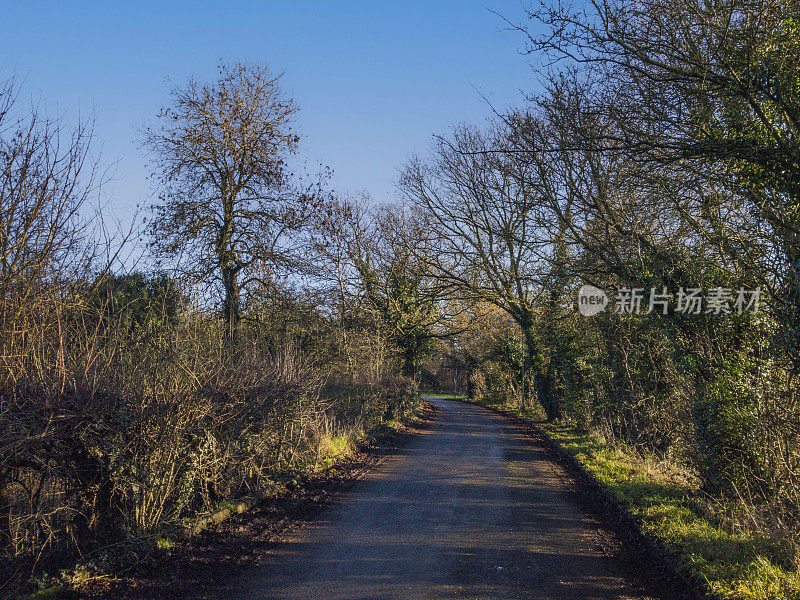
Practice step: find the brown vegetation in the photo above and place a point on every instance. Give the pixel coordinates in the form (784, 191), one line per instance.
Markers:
(661, 154)
(127, 408)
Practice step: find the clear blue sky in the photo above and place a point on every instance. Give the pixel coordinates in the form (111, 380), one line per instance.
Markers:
(374, 80)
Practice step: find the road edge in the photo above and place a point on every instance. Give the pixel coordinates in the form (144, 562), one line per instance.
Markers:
(148, 579)
(604, 500)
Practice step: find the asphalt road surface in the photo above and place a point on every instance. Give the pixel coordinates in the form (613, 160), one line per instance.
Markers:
(471, 508)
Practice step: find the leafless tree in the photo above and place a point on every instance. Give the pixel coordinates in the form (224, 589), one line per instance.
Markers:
(226, 204)
(703, 97)
(373, 259)
(46, 178)
(492, 233)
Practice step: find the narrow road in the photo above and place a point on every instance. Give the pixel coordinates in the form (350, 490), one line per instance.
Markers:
(471, 508)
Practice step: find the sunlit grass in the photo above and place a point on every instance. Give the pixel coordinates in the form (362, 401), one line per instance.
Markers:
(735, 562)
(442, 396)
(333, 448)
(336, 446)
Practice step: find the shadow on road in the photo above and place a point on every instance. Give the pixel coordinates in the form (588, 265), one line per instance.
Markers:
(471, 508)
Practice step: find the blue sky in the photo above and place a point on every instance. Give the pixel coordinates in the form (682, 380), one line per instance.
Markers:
(374, 80)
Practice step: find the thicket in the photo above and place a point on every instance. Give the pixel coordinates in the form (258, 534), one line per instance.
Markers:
(126, 404)
(660, 154)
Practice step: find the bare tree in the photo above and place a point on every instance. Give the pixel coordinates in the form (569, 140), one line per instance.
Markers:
(46, 178)
(226, 206)
(44, 181)
(675, 126)
(372, 258)
(393, 281)
(492, 234)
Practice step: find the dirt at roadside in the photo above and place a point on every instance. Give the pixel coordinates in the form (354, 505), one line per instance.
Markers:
(220, 553)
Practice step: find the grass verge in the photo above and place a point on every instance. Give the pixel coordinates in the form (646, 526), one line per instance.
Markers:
(734, 562)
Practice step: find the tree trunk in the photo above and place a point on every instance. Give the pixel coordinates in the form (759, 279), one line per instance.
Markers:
(542, 381)
(792, 310)
(527, 363)
(547, 398)
(410, 368)
(525, 381)
(230, 307)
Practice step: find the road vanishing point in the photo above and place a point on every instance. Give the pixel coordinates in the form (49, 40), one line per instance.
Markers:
(472, 507)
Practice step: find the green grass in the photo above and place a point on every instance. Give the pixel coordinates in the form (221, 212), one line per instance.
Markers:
(736, 563)
(166, 544)
(53, 593)
(333, 448)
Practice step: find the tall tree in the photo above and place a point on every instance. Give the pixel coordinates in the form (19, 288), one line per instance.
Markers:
(393, 281)
(373, 261)
(705, 98)
(227, 209)
(492, 233)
